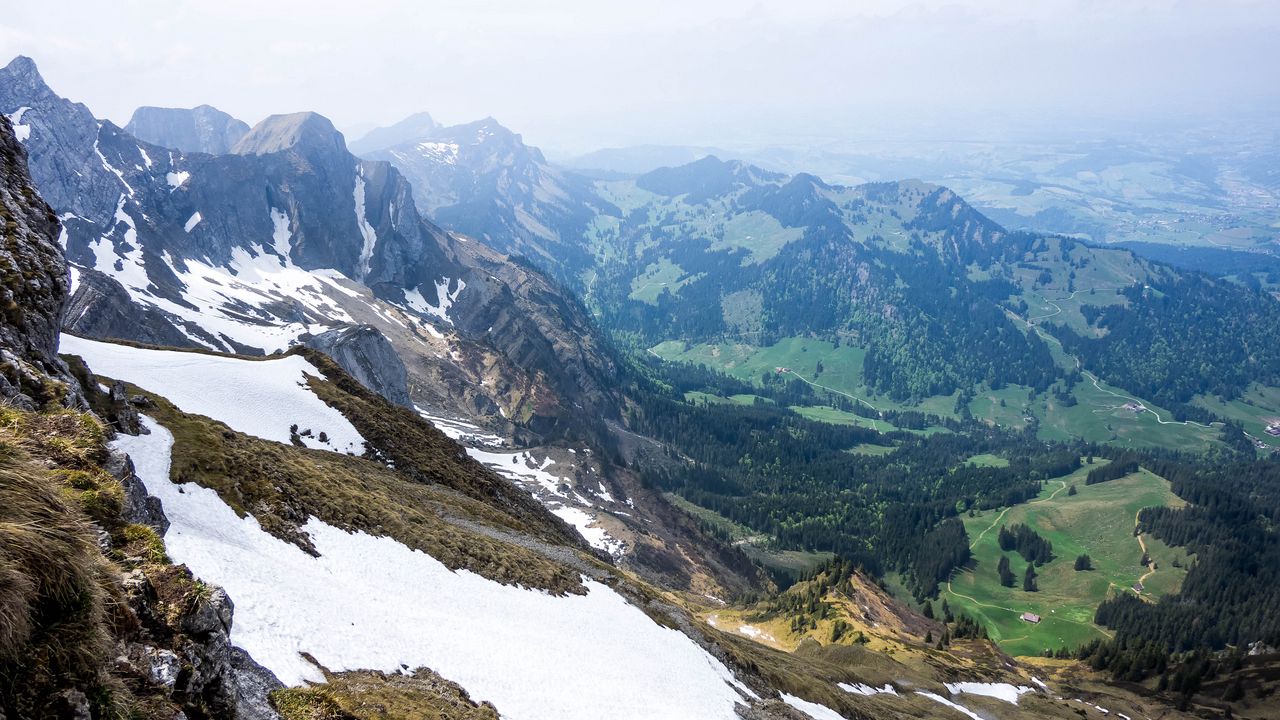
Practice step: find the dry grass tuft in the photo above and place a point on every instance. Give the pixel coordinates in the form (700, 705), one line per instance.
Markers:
(369, 695)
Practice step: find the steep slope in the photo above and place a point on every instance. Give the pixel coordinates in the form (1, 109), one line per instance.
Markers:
(204, 128)
(480, 179)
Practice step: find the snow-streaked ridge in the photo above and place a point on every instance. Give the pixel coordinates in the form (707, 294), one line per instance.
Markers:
(370, 602)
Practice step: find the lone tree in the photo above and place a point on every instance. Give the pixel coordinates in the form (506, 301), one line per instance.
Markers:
(1084, 562)
(1071, 491)
(1029, 579)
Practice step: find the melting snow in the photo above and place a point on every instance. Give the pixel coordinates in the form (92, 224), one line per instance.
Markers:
(145, 157)
(460, 430)
(176, 179)
(281, 237)
(110, 167)
(20, 131)
(415, 300)
(813, 710)
(370, 602)
(366, 230)
(440, 152)
(1000, 691)
(126, 265)
(256, 397)
(948, 703)
(595, 536)
(192, 221)
(860, 689)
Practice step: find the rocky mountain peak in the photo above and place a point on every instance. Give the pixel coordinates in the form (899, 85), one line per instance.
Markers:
(203, 129)
(303, 130)
(414, 127)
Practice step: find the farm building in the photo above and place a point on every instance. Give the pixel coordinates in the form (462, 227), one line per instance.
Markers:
(1274, 429)
(1030, 617)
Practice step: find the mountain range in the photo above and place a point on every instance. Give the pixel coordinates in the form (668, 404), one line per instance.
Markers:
(424, 425)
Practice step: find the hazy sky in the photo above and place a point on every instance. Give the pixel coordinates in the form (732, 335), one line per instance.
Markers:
(575, 75)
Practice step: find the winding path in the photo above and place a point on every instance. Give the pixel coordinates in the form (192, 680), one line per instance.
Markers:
(789, 371)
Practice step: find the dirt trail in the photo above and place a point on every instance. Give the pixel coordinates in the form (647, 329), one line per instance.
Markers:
(1054, 494)
(1151, 569)
(855, 398)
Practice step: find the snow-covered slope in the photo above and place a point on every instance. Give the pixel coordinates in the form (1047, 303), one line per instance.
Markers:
(370, 602)
(262, 398)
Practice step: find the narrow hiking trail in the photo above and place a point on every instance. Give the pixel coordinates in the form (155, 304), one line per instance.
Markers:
(1151, 569)
(1030, 322)
(855, 398)
(1062, 486)
(1053, 495)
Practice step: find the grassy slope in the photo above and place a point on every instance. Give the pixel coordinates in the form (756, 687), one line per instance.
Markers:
(1099, 521)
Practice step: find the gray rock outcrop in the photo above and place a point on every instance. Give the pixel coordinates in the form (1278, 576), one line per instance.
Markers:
(33, 285)
(203, 129)
(369, 357)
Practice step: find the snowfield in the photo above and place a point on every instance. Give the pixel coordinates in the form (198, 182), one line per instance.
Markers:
(371, 603)
(1000, 691)
(256, 397)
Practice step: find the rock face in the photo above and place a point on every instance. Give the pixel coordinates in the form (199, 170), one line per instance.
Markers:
(100, 307)
(34, 288)
(204, 129)
(480, 179)
(369, 357)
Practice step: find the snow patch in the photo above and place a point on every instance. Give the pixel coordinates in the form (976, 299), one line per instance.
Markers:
(176, 179)
(256, 397)
(280, 235)
(861, 689)
(415, 300)
(111, 168)
(371, 603)
(1000, 691)
(20, 131)
(146, 159)
(812, 709)
(440, 152)
(366, 230)
(948, 703)
(192, 221)
(597, 537)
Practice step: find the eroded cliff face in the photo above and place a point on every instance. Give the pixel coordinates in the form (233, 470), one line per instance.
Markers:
(33, 285)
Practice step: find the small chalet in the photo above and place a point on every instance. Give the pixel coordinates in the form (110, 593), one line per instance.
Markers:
(1030, 617)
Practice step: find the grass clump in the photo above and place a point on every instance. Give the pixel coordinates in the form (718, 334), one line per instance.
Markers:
(370, 695)
(54, 592)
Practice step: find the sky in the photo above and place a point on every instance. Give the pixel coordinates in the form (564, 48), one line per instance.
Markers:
(575, 75)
